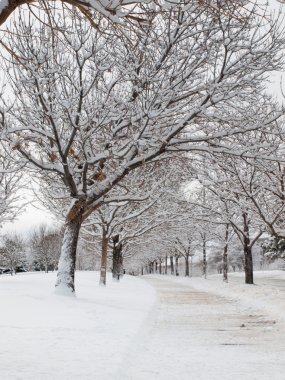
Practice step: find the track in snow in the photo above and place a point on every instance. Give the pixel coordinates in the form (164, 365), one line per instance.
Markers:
(195, 335)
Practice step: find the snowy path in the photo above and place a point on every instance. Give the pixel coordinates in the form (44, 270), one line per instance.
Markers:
(196, 335)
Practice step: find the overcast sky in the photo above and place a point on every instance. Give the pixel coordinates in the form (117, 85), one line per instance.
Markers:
(30, 219)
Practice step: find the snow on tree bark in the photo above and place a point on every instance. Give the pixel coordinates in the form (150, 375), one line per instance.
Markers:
(248, 263)
(104, 260)
(117, 269)
(107, 9)
(66, 265)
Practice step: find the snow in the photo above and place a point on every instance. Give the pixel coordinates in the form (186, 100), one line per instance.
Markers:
(199, 334)
(266, 295)
(46, 336)
(154, 327)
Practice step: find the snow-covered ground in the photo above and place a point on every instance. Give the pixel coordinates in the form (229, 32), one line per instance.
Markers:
(207, 330)
(46, 336)
(267, 294)
(158, 327)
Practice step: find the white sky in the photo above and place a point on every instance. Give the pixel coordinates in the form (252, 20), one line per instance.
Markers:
(30, 219)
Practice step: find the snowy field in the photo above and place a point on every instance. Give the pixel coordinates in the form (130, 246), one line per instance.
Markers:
(46, 336)
(158, 327)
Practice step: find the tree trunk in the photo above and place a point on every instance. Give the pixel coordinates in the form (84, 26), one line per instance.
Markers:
(225, 263)
(142, 270)
(248, 264)
(165, 269)
(159, 266)
(171, 265)
(104, 257)
(117, 269)
(176, 266)
(204, 258)
(225, 256)
(187, 272)
(66, 265)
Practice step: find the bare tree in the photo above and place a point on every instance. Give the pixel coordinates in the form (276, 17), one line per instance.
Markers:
(230, 180)
(117, 11)
(45, 243)
(11, 179)
(114, 10)
(107, 103)
(184, 245)
(119, 224)
(12, 253)
(11, 200)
